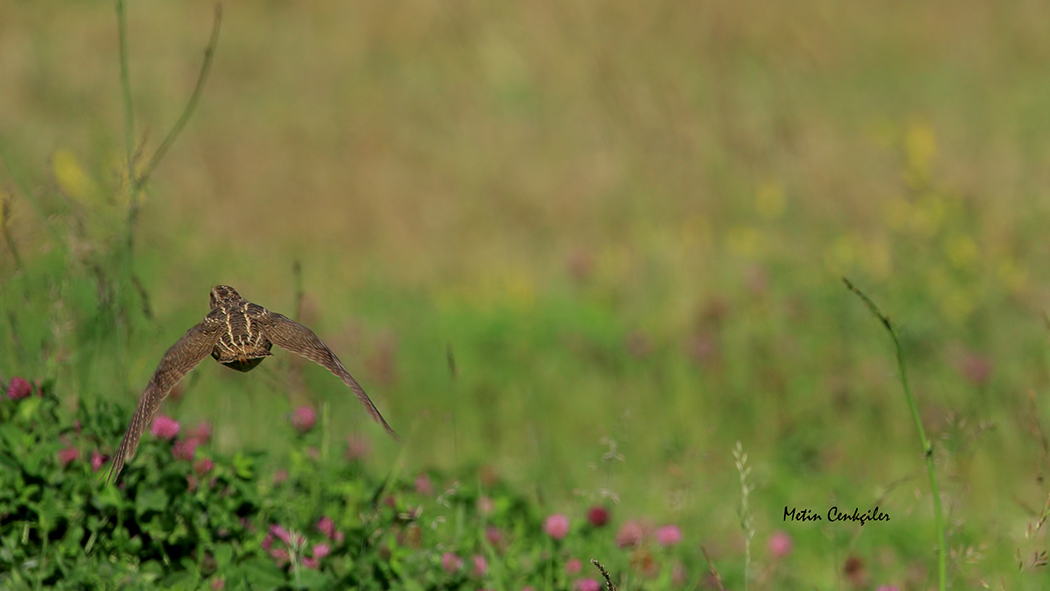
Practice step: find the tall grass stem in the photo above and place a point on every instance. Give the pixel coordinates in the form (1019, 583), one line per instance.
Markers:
(927, 447)
(300, 293)
(747, 520)
(450, 357)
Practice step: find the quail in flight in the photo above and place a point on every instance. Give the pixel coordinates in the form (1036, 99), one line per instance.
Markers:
(238, 334)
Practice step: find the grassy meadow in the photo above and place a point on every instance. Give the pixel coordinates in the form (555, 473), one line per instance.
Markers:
(625, 222)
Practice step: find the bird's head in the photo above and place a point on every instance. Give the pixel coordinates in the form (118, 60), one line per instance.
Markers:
(222, 293)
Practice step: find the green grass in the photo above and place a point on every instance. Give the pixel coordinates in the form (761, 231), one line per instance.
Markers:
(627, 221)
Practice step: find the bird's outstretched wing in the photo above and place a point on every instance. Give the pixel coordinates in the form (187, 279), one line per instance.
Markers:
(289, 334)
(182, 357)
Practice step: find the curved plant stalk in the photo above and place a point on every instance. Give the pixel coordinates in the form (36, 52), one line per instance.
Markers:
(137, 180)
(191, 105)
(927, 447)
(125, 84)
(608, 580)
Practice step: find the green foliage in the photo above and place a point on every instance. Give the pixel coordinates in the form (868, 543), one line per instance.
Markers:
(191, 523)
(62, 526)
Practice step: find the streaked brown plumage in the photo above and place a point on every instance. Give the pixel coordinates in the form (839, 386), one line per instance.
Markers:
(238, 334)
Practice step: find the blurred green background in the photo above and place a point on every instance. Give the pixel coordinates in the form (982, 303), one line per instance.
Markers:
(628, 221)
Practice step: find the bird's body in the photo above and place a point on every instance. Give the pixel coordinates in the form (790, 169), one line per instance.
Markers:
(239, 335)
(243, 345)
